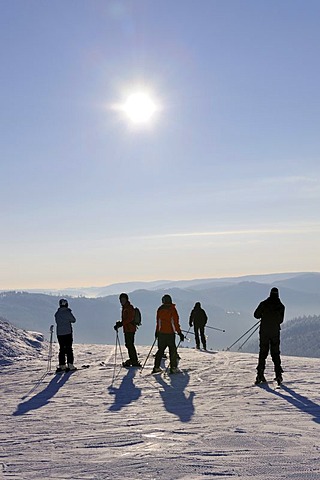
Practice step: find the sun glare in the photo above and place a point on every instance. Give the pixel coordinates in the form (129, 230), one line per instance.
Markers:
(139, 108)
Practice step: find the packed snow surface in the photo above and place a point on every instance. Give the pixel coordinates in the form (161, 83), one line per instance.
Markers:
(107, 422)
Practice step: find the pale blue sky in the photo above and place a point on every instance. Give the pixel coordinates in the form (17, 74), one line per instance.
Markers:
(224, 181)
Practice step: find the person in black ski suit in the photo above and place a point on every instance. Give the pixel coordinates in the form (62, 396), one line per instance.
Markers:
(64, 319)
(271, 313)
(198, 319)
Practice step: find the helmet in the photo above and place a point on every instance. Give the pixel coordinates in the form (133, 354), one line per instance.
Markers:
(166, 299)
(63, 302)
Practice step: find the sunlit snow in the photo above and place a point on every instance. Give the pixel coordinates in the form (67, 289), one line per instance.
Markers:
(106, 422)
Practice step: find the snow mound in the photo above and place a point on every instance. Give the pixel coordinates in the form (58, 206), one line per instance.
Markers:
(18, 344)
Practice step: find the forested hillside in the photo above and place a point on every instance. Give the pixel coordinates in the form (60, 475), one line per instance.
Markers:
(299, 337)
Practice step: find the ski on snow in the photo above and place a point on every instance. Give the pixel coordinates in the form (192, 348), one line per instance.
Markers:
(166, 373)
(67, 370)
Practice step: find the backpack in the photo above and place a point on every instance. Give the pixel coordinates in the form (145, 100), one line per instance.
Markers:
(137, 317)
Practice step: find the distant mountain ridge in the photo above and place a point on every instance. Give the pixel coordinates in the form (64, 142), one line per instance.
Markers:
(196, 284)
(229, 304)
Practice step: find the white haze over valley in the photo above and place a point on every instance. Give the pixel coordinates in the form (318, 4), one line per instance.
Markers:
(106, 422)
(229, 304)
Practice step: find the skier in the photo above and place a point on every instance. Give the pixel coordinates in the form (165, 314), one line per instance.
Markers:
(167, 324)
(198, 319)
(129, 330)
(271, 313)
(64, 319)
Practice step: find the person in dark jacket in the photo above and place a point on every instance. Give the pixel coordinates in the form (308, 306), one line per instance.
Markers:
(167, 325)
(198, 319)
(64, 320)
(129, 330)
(271, 314)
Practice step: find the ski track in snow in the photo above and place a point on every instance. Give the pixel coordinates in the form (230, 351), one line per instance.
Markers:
(114, 423)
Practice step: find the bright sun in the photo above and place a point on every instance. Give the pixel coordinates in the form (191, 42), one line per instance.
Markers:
(139, 107)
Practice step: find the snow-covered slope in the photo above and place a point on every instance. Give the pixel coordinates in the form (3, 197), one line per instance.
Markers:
(18, 344)
(209, 421)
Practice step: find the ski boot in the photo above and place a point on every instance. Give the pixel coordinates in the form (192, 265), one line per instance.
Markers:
(71, 368)
(136, 365)
(278, 373)
(156, 370)
(61, 369)
(279, 379)
(260, 378)
(174, 370)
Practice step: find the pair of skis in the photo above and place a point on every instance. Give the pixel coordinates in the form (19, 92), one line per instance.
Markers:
(67, 370)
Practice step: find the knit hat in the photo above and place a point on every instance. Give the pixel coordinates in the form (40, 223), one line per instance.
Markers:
(124, 295)
(166, 299)
(274, 292)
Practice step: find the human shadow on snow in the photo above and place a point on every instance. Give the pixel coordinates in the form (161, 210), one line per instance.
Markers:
(299, 401)
(126, 393)
(42, 398)
(174, 398)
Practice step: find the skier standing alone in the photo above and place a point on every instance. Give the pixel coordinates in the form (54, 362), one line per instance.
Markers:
(64, 320)
(129, 330)
(198, 319)
(166, 326)
(271, 313)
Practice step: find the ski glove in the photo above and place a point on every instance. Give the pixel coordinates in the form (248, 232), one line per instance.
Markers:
(181, 336)
(117, 325)
(156, 334)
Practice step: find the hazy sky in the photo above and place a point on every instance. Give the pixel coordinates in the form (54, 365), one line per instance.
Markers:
(223, 180)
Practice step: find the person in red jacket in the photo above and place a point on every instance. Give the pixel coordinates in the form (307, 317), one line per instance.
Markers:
(166, 327)
(129, 330)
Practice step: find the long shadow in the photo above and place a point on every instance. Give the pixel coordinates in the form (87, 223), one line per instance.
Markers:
(174, 399)
(299, 401)
(42, 398)
(126, 393)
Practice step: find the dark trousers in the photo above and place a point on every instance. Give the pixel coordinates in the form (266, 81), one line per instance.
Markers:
(273, 343)
(200, 329)
(65, 344)
(166, 340)
(129, 343)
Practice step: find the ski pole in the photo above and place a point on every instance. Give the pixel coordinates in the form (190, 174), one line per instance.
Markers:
(50, 350)
(243, 335)
(214, 328)
(115, 360)
(148, 355)
(187, 333)
(119, 347)
(254, 331)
